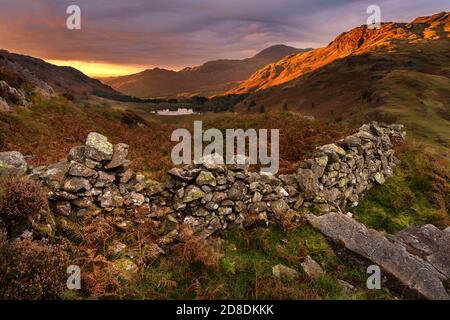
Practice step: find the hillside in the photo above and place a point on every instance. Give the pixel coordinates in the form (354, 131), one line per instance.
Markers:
(230, 265)
(24, 75)
(91, 182)
(389, 38)
(210, 78)
(398, 73)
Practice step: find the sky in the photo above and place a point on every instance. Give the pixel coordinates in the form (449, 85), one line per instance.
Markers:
(121, 37)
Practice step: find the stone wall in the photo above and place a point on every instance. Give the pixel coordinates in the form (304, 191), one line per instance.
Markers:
(211, 196)
(97, 179)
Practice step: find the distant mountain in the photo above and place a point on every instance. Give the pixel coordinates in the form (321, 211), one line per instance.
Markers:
(400, 72)
(211, 78)
(26, 74)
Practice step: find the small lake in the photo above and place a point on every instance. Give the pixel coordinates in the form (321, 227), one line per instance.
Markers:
(175, 112)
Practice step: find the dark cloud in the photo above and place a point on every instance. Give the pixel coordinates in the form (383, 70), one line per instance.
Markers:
(178, 33)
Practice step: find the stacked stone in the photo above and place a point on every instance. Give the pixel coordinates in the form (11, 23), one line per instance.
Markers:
(340, 173)
(95, 177)
(210, 195)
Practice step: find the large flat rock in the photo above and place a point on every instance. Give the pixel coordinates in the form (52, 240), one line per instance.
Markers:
(420, 272)
(429, 243)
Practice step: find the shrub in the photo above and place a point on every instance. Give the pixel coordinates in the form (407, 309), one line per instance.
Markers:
(97, 233)
(69, 96)
(198, 250)
(32, 270)
(21, 201)
(98, 275)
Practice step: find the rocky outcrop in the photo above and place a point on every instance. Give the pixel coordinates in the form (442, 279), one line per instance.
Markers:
(12, 163)
(415, 259)
(35, 76)
(4, 106)
(11, 95)
(428, 243)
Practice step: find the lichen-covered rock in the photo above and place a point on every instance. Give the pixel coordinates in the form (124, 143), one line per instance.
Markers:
(379, 178)
(350, 141)
(224, 211)
(322, 161)
(80, 170)
(104, 179)
(192, 193)
(258, 207)
(154, 189)
(429, 243)
(77, 184)
(237, 191)
(127, 176)
(331, 195)
(405, 265)
(213, 162)
(206, 178)
(284, 273)
(332, 149)
(134, 199)
(183, 174)
(279, 206)
(98, 147)
(77, 154)
(308, 182)
(240, 163)
(12, 163)
(84, 202)
(119, 157)
(288, 179)
(311, 267)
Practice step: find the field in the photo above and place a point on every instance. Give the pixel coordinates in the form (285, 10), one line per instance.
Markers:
(237, 265)
(47, 131)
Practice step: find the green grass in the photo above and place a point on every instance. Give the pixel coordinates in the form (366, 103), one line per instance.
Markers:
(245, 270)
(421, 102)
(417, 194)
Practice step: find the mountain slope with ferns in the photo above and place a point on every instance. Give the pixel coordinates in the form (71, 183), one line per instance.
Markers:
(400, 72)
(28, 73)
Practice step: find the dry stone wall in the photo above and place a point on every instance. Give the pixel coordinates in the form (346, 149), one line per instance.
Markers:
(212, 196)
(96, 178)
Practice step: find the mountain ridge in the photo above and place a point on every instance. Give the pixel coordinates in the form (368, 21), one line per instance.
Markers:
(210, 78)
(356, 41)
(33, 75)
(400, 73)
